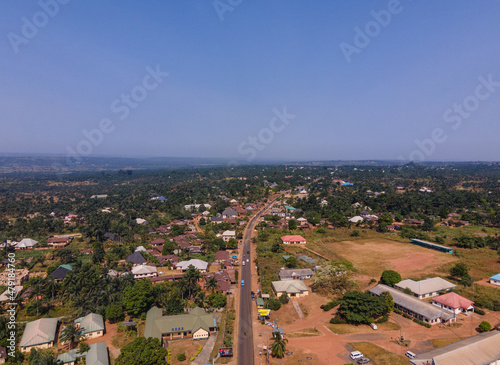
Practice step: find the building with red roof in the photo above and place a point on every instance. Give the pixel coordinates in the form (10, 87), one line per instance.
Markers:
(454, 303)
(293, 240)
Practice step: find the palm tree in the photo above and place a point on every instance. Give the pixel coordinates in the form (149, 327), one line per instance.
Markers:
(36, 286)
(70, 334)
(191, 276)
(278, 347)
(212, 284)
(42, 358)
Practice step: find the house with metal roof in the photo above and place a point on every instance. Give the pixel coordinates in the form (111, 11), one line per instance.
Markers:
(144, 271)
(293, 240)
(229, 213)
(454, 303)
(495, 279)
(291, 288)
(97, 355)
(415, 307)
(260, 303)
(198, 264)
(60, 273)
(227, 235)
(136, 258)
(91, 326)
(26, 244)
(481, 349)
(196, 324)
(295, 274)
(39, 334)
(427, 288)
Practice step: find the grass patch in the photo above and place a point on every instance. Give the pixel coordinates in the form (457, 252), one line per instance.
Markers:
(439, 342)
(307, 332)
(345, 329)
(377, 355)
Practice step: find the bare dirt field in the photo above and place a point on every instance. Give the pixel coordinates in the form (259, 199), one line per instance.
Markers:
(373, 256)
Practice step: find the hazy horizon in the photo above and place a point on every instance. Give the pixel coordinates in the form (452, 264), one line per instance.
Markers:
(286, 81)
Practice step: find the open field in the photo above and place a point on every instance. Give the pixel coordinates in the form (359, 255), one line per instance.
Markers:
(187, 346)
(306, 332)
(440, 342)
(373, 256)
(343, 329)
(377, 355)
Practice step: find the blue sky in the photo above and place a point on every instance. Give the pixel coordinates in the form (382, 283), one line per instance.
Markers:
(230, 70)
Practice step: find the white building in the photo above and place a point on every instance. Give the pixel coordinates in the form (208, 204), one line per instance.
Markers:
(144, 271)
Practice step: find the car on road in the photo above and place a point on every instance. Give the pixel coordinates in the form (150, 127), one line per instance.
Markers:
(243, 283)
(243, 263)
(248, 260)
(248, 251)
(356, 355)
(363, 360)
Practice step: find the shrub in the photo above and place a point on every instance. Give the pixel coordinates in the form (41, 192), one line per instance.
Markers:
(283, 299)
(337, 320)
(484, 326)
(383, 319)
(355, 233)
(397, 311)
(331, 304)
(181, 357)
(479, 311)
(390, 277)
(407, 316)
(372, 280)
(274, 304)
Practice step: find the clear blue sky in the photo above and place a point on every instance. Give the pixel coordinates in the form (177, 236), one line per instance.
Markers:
(226, 77)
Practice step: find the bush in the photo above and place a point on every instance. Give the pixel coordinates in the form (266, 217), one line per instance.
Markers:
(390, 277)
(274, 304)
(484, 326)
(422, 323)
(331, 304)
(383, 319)
(337, 320)
(397, 311)
(355, 233)
(479, 311)
(283, 299)
(181, 357)
(372, 280)
(407, 316)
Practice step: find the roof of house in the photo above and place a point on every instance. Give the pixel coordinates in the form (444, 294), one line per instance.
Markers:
(230, 211)
(140, 248)
(260, 301)
(426, 286)
(91, 323)
(221, 255)
(414, 304)
(289, 286)
(158, 242)
(136, 258)
(229, 233)
(216, 219)
(290, 273)
(453, 300)
(6, 295)
(97, 354)
(38, 332)
(158, 325)
(198, 264)
(60, 272)
(143, 269)
(495, 277)
(480, 349)
(70, 356)
(26, 242)
(293, 238)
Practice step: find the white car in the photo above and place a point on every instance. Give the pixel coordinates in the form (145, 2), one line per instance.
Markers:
(356, 355)
(248, 260)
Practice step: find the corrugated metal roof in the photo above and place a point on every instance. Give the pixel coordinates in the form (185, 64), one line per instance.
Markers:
(97, 355)
(38, 332)
(414, 304)
(91, 323)
(481, 349)
(289, 286)
(426, 286)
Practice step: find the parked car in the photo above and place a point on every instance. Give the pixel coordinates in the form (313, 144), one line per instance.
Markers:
(410, 354)
(363, 360)
(243, 283)
(356, 355)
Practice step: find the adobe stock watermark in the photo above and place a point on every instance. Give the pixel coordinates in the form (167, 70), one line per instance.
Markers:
(223, 6)
(31, 26)
(121, 108)
(11, 305)
(363, 36)
(454, 116)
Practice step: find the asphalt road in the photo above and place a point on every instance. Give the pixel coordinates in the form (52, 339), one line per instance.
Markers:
(245, 331)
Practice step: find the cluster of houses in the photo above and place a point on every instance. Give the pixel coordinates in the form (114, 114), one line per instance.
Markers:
(42, 334)
(445, 305)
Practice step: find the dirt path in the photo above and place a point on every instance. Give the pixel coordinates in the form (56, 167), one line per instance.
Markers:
(297, 308)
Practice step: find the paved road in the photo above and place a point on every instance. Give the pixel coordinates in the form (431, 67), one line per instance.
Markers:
(245, 334)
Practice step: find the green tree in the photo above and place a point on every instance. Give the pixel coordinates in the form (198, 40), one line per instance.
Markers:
(83, 347)
(70, 334)
(217, 300)
(192, 275)
(142, 351)
(332, 278)
(274, 304)
(212, 284)
(278, 345)
(114, 313)
(181, 356)
(168, 248)
(292, 224)
(277, 247)
(138, 298)
(484, 326)
(291, 262)
(358, 307)
(459, 270)
(390, 277)
(98, 253)
(232, 243)
(40, 357)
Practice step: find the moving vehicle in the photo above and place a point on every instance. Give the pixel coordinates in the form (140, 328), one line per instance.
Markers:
(410, 354)
(356, 355)
(243, 263)
(248, 260)
(243, 283)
